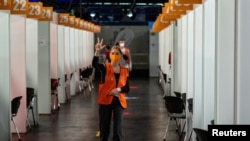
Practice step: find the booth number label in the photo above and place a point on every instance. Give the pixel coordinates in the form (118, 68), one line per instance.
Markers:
(63, 19)
(72, 21)
(35, 10)
(77, 20)
(19, 6)
(47, 14)
(81, 24)
(5, 4)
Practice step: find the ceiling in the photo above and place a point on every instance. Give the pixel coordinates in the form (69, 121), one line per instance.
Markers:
(108, 12)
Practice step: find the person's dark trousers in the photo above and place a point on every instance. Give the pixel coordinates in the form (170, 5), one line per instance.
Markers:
(105, 114)
(118, 121)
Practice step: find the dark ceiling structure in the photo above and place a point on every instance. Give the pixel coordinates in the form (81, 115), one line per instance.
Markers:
(110, 12)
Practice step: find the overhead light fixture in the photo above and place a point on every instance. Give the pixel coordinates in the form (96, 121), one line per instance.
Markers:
(130, 14)
(92, 14)
(141, 3)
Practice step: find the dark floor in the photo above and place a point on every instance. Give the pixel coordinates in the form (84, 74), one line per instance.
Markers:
(77, 120)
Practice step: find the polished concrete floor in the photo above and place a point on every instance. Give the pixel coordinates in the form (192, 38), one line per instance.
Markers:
(145, 119)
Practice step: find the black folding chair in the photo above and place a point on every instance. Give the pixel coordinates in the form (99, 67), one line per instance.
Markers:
(30, 104)
(176, 111)
(85, 74)
(201, 134)
(15, 104)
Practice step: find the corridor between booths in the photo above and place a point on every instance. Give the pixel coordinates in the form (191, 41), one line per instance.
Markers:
(35, 49)
(145, 118)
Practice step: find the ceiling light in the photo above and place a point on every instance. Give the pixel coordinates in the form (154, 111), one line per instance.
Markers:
(130, 14)
(92, 14)
(141, 3)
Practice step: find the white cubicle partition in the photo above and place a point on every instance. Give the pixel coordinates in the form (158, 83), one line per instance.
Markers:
(85, 40)
(209, 62)
(67, 61)
(61, 64)
(170, 43)
(168, 48)
(54, 61)
(161, 48)
(177, 64)
(76, 60)
(243, 65)
(225, 48)
(44, 92)
(53, 51)
(5, 98)
(198, 67)
(72, 60)
(165, 47)
(153, 52)
(190, 55)
(80, 49)
(183, 54)
(90, 47)
(32, 61)
(18, 67)
(160, 60)
(190, 66)
(86, 53)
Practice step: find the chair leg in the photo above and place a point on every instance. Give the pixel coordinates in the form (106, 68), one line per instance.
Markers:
(190, 136)
(182, 131)
(27, 119)
(16, 128)
(164, 138)
(178, 123)
(33, 115)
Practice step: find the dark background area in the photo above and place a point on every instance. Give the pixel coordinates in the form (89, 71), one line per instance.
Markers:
(110, 12)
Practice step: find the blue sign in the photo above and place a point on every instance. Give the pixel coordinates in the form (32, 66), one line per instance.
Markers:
(150, 24)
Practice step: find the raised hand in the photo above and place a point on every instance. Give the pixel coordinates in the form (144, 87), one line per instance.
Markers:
(98, 45)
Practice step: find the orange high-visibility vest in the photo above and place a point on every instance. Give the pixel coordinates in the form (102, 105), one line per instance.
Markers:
(109, 84)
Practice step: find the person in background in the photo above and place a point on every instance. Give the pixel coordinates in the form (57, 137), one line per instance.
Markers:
(111, 94)
(126, 59)
(107, 51)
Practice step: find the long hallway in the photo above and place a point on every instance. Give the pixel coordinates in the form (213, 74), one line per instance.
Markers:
(145, 118)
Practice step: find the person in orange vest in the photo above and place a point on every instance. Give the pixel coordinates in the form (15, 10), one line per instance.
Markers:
(111, 94)
(126, 59)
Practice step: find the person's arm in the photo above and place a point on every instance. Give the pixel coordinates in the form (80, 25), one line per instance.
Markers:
(99, 67)
(130, 61)
(95, 61)
(124, 89)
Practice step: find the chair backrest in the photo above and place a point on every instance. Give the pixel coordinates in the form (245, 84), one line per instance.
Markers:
(30, 93)
(174, 104)
(201, 135)
(15, 104)
(54, 83)
(190, 104)
(85, 73)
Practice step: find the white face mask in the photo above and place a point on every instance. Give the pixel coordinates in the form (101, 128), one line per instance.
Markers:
(121, 44)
